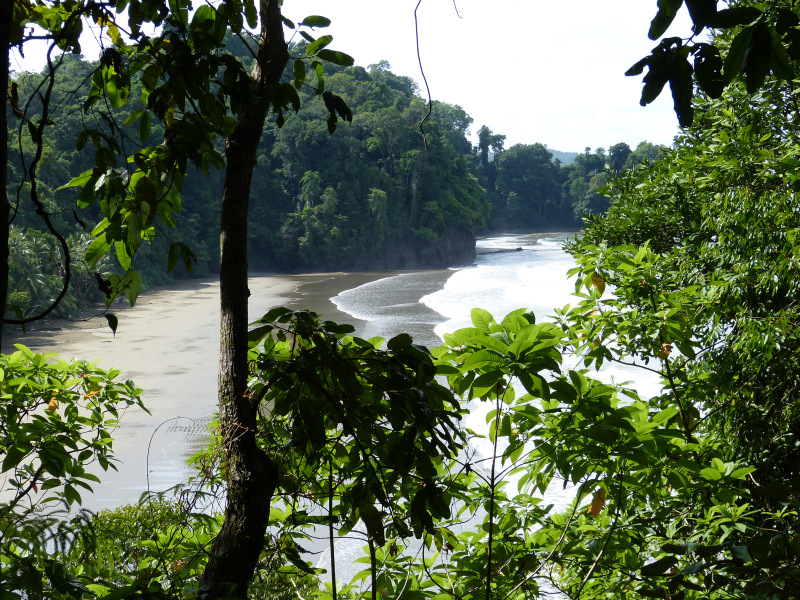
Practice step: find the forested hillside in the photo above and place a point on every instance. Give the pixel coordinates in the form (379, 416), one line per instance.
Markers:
(688, 492)
(377, 194)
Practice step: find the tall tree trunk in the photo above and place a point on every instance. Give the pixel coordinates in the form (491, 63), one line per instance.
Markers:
(5, 39)
(251, 476)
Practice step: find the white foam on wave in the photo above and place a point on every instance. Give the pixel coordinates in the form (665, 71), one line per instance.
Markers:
(478, 287)
(533, 278)
(355, 302)
(542, 287)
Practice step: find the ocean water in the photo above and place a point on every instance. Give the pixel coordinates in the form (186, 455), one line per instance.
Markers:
(510, 272)
(517, 271)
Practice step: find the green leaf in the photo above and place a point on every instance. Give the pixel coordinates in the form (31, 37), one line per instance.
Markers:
(710, 550)
(660, 566)
(693, 569)
(188, 257)
(79, 181)
(144, 127)
(741, 553)
(318, 44)
(742, 473)
(172, 256)
(708, 70)
(251, 14)
(674, 548)
(371, 517)
(701, 11)
(336, 57)
(254, 336)
(83, 136)
(486, 383)
(202, 14)
(117, 91)
(320, 73)
(134, 116)
(299, 70)
(33, 130)
(780, 64)
(112, 322)
(88, 194)
(123, 592)
(123, 256)
(733, 17)
(145, 191)
(277, 314)
(667, 9)
(294, 557)
(757, 57)
(132, 285)
(482, 319)
(97, 249)
(484, 358)
(711, 474)
(665, 415)
(399, 342)
(315, 21)
(681, 86)
(654, 82)
(733, 62)
(71, 495)
(290, 96)
(336, 106)
(637, 69)
(14, 456)
(656, 592)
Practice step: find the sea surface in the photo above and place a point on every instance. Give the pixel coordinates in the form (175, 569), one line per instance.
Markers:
(510, 272)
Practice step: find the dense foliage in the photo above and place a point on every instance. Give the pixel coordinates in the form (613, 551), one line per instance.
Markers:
(370, 196)
(350, 199)
(692, 493)
(55, 438)
(701, 249)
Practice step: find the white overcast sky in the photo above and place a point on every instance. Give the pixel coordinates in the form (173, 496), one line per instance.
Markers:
(549, 71)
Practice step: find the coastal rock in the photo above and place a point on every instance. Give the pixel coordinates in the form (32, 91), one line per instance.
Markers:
(453, 248)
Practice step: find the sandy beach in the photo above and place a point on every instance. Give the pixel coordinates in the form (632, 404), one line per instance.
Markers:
(168, 345)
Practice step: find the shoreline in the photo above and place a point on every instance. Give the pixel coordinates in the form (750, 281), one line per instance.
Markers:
(168, 344)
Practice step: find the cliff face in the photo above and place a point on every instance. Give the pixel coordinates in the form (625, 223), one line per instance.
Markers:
(451, 249)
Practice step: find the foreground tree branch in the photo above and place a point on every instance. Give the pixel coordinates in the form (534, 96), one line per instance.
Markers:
(5, 40)
(251, 476)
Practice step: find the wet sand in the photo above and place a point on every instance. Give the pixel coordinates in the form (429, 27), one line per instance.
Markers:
(168, 345)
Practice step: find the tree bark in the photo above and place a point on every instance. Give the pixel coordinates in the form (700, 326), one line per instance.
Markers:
(5, 40)
(251, 475)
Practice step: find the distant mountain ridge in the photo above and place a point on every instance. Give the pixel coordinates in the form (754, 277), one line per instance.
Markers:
(566, 158)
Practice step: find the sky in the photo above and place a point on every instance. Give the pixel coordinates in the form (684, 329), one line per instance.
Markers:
(533, 70)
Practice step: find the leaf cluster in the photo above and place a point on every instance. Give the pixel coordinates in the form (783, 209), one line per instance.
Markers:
(359, 431)
(699, 250)
(764, 39)
(55, 435)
